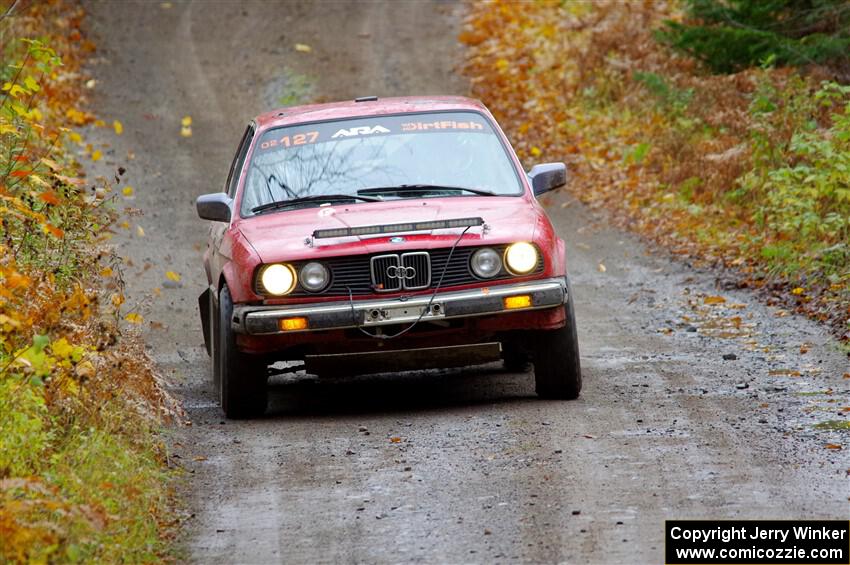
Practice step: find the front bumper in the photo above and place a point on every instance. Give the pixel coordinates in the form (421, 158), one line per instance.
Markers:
(343, 314)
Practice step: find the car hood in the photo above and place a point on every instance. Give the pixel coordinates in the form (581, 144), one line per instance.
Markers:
(287, 236)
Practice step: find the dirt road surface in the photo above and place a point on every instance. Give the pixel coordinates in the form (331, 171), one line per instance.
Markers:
(689, 410)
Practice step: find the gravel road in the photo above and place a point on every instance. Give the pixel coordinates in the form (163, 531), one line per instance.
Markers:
(691, 408)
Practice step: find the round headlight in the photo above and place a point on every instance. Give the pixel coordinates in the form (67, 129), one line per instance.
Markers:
(314, 277)
(278, 279)
(485, 263)
(521, 258)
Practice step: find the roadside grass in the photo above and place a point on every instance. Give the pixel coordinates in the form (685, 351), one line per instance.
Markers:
(292, 88)
(749, 171)
(833, 425)
(84, 474)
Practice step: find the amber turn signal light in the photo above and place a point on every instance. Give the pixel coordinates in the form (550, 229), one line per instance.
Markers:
(291, 324)
(520, 301)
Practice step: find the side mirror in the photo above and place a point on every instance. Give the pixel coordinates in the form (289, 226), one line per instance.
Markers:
(547, 176)
(215, 207)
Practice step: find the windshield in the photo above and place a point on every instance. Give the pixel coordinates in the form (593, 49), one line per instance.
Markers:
(458, 149)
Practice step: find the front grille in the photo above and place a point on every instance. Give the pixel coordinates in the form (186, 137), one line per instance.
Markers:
(417, 274)
(409, 271)
(385, 273)
(356, 272)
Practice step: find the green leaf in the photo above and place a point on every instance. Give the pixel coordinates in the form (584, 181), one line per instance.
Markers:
(32, 84)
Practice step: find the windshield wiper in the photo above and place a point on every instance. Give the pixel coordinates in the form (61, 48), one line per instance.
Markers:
(423, 188)
(313, 198)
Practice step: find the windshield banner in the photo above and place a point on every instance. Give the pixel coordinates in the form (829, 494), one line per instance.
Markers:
(309, 134)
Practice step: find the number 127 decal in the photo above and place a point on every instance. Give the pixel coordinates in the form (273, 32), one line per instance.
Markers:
(288, 141)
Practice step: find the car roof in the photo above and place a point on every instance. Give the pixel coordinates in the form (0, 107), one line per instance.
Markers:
(368, 106)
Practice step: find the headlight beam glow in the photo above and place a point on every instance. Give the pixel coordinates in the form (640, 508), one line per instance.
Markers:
(521, 258)
(278, 279)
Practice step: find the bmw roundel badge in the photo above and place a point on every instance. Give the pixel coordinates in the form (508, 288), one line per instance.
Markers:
(397, 239)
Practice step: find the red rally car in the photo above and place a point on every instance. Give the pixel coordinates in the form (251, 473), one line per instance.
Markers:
(405, 226)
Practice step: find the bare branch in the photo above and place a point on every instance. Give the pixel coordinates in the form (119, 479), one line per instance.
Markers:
(9, 10)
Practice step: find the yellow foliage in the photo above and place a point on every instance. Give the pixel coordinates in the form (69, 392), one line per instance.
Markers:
(661, 144)
(69, 414)
(134, 318)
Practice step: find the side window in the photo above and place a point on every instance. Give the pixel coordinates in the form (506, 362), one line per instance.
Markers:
(238, 160)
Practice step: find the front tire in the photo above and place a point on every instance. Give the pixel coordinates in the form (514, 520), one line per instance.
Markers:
(240, 378)
(557, 367)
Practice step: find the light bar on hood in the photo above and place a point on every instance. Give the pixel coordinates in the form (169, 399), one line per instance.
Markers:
(395, 228)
